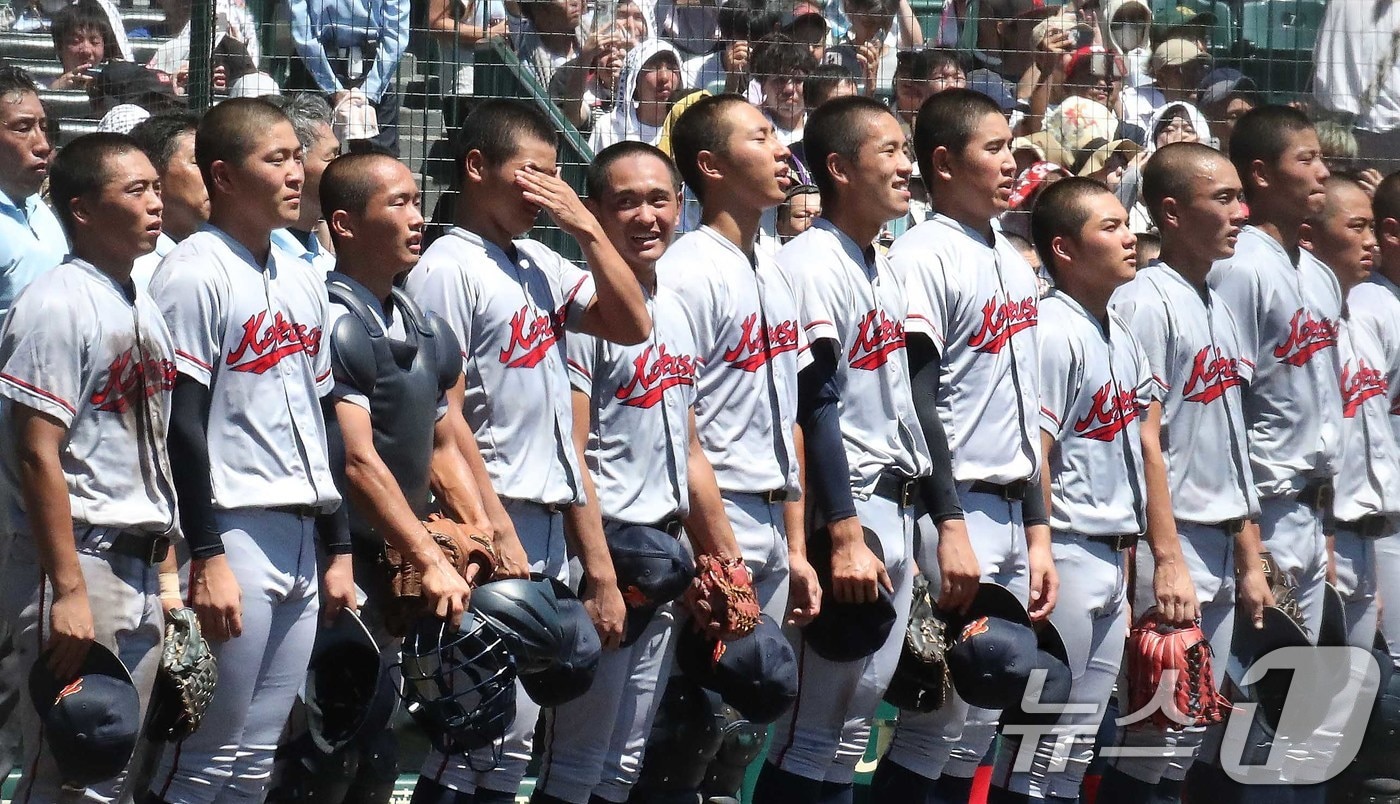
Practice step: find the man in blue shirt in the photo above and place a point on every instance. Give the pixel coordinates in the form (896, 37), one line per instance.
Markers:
(31, 241)
(353, 44)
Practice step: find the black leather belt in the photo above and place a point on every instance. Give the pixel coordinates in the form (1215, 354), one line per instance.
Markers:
(302, 511)
(1015, 490)
(1317, 495)
(1367, 527)
(774, 496)
(671, 526)
(897, 489)
(150, 549)
(1230, 526)
(1117, 542)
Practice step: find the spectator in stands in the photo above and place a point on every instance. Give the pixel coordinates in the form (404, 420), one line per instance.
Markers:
(919, 74)
(572, 69)
(232, 19)
(727, 69)
(350, 50)
(168, 141)
(1225, 96)
(806, 26)
(456, 27)
(691, 25)
(828, 81)
(781, 66)
(82, 39)
(1177, 122)
(650, 77)
(1004, 50)
(871, 45)
(1125, 29)
(1357, 72)
(1177, 67)
(50, 9)
(31, 240)
(311, 118)
(801, 206)
(1096, 75)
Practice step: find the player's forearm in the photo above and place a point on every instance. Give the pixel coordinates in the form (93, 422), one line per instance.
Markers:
(1248, 545)
(583, 530)
(795, 511)
(619, 310)
(189, 451)
(819, 419)
(1161, 524)
(706, 524)
(45, 494)
(939, 491)
(454, 483)
(379, 500)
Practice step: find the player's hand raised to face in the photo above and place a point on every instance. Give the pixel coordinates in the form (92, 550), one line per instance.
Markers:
(556, 197)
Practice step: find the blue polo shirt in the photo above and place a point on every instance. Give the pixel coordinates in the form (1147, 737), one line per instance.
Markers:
(31, 242)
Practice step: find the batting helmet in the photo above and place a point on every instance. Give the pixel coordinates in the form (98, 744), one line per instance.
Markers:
(90, 722)
(846, 632)
(652, 570)
(755, 674)
(348, 692)
(459, 686)
(525, 614)
(577, 663)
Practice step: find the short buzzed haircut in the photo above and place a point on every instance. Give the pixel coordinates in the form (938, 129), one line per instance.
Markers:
(838, 127)
(1334, 182)
(596, 181)
(1061, 211)
(1386, 204)
(308, 112)
(948, 120)
(496, 127)
(1170, 171)
(348, 184)
(1262, 134)
(81, 168)
(821, 82)
(228, 132)
(16, 79)
(159, 135)
(702, 127)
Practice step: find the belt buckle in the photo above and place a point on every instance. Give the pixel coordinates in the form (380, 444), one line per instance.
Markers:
(906, 493)
(1123, 541)
(157, 550)
(775, 496)
(1013, 491)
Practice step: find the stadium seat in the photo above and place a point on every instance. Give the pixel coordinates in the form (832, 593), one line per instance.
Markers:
(1277, 38)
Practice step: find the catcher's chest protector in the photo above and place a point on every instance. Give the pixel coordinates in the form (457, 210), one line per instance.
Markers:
(402, 379)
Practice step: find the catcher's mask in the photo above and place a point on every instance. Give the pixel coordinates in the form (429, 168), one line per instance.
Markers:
(91, 721)
(458, 685)
(525, 614)
(573, 670)
(846, 632)
(348, 692)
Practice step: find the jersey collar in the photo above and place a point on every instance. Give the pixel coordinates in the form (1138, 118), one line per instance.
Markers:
(972, 234)
(1377, 279)
(103, 278)
(868, 258)
(242, 253)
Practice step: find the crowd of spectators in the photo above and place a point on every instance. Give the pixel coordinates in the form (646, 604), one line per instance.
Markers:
(1089, 87)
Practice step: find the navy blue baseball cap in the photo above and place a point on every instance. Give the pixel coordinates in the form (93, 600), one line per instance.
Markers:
(652, 570)
(91, 722)
(846, 632)
(993, 649)
(1052, 657)
(755, 674)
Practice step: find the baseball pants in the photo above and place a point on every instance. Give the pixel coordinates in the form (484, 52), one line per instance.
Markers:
(229, 759)
(595, 743)
(954, 738)
(1388, 586)
(124, 598)
(500, 768)
(1355, 555)
(1210, 558)
(1096, 586)
(823, 735)
(1292, 532)
(762, 537)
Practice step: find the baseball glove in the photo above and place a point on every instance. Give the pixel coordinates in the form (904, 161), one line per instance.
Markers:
(722, 592)
(405, 603)
(184, 681)
(1284, 590)
(1161, 654)
(921, 681)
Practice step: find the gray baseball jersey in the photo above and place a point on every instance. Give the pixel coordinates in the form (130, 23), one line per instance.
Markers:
(1368, 478)
(1376, 306)
(1194, 353)
(641, 398)
(744, 318)
(252, 333)
(1286, 317)
(1095, 386)
(861, 306)
(76, 347)
(509, 311)
(979, 304)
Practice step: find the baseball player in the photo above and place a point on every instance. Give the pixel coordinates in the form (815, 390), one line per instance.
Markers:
(391, 420)
(1102, 458)
(86, 370)
(633, 414)
(509, 303)
(168, 140)
(743, 314)
(1343, 237)
(1376, 307)
(1193, 350)
(973, 305)
(249, 437)
(865, 450)
(1286, 305)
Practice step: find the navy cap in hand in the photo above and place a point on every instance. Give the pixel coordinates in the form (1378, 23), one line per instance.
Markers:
(755, 674)
(91, 722)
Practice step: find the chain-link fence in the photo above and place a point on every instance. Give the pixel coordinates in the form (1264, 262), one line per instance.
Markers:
(1089, 87)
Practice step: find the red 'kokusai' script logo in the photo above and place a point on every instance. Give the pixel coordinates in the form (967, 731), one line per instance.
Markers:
(974, 628)
(1001, 321)
(748, 354)
(1112, 410)
(74, 687)
(129, 379)
(532, 333)
(1212, 374)
(656, 370)
(1359, 386)
(279, 339)
(1306, 337)
(877, 339)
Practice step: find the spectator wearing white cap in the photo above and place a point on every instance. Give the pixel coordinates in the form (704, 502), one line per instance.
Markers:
(1177, 67)
(122, 118)
(650, 77)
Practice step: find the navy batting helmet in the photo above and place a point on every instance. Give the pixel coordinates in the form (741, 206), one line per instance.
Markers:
(458, 685)
(573, 670)
(348, 691)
